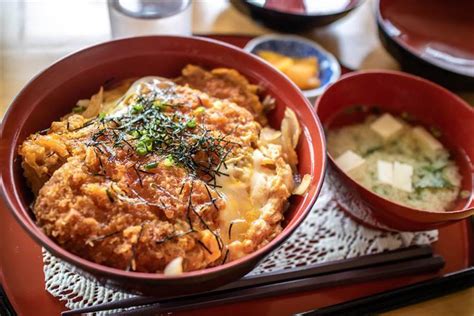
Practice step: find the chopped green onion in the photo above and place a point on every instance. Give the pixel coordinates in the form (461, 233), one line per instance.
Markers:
(137, 108)
(145, 139)
(191, 123)
(135, 134)
(151, 165)
(168, 161)
(146, 142)
(101, 116)
(141, 149)
(173, 135)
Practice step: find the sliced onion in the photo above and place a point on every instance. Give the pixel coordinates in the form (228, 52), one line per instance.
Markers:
(269, 135)
(292, 126)
(290, 131)
(174, 267)
(302, 188)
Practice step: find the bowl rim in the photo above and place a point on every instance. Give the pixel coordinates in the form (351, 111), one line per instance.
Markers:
(41, 238)
(334, 63)
(382, 22)
(351, 6)
(432, 85)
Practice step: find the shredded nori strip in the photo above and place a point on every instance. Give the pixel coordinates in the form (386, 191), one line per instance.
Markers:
(225, 256)
(204, 246)
(171, 237)
(230, 230)
(150, 130)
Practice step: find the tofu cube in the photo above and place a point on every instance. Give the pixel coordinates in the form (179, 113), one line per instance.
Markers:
(386, 126)
(385, 171)
(426, 139)
(349, 160)
(402, 174)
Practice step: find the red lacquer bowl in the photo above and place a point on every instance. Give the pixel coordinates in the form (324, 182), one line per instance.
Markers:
(53, 93)
(432, 106)
(432, 39)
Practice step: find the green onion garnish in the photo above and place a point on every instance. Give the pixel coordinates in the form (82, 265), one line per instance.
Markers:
(151, 165)
(168, 161)
(137, 108)
(172, 138)
(141, 149)
(191, 123)
(101, 116)
(135, 133)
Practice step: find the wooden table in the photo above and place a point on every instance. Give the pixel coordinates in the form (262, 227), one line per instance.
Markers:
(34, 34)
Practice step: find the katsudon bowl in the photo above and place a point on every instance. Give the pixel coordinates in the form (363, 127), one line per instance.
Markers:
(53, 93)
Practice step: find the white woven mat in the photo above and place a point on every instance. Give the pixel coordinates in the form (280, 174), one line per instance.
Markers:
(326, 234)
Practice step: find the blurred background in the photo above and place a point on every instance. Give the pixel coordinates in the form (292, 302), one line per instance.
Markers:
(36, 33)
(33, 34)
